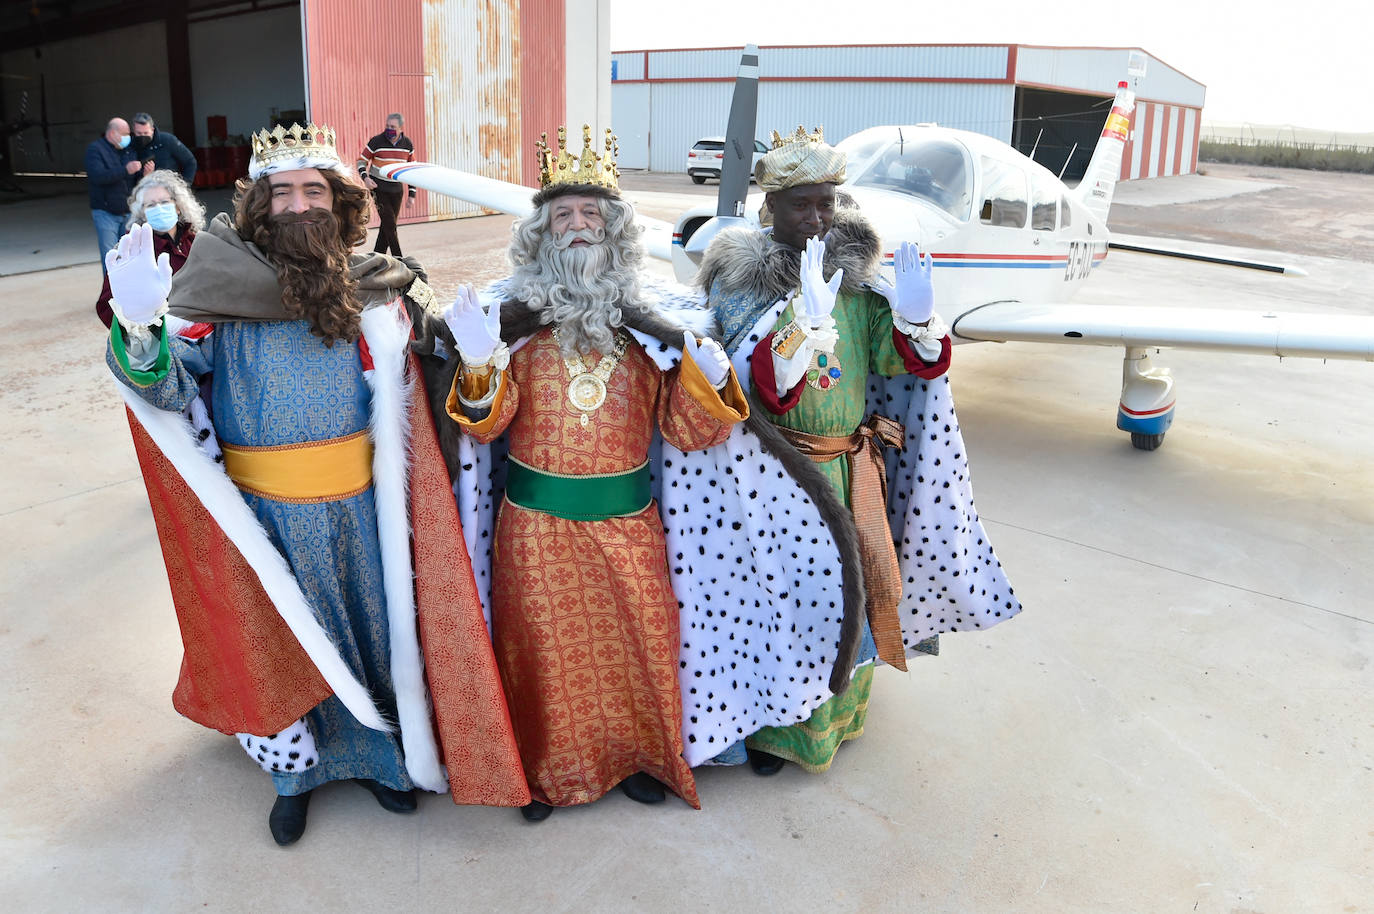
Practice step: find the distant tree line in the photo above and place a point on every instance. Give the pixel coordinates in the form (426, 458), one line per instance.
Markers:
(1289, 155)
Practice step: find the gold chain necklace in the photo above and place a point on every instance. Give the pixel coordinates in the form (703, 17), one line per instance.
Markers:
(587, 387)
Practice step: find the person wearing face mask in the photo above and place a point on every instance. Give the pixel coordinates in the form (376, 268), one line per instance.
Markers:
(390, 147)
(111, 171)
(166, 203)
(157, 149)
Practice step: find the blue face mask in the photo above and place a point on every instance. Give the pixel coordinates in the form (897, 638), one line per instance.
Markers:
(124, 141)
(161, 217)
(391, 134)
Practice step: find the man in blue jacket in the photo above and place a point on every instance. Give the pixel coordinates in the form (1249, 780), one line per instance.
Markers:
(159, 149)
(112, 169)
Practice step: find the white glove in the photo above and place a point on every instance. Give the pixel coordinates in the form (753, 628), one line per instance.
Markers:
(710, 358)
(912, 298)
(138, 285)
(477, 334)
(818, 296)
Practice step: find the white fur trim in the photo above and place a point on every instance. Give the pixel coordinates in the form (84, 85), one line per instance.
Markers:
(290, 751)
(387, 335)
(174, 437)
(324, 163)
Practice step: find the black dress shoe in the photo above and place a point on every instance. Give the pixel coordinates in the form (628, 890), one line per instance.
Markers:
(764, 763)
(642, 788)
(389, 799)
(287, 819)
(534, 811)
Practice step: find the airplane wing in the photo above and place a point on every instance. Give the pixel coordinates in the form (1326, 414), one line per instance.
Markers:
(1188, 251)
(505, 197)
(1323, 336)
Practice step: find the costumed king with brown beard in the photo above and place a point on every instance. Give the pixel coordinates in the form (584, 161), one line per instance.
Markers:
(583, 614)
(308, 623)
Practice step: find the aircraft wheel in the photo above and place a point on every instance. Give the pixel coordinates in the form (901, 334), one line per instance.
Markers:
(698, 179)
(1143, 442)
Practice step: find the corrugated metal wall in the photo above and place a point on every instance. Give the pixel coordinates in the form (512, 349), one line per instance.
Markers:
(844, 89)
(681, 112)
(630, 121)
(472, 91)
(1163, 141)
(477, 81)
(363, 61)
(849, 88)
(1098, 70)
(543, 62)
(962, 62)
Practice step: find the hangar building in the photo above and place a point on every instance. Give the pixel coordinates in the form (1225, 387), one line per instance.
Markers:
(1046, 100)
(477, 80)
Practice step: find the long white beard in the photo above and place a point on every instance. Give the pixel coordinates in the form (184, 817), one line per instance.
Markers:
(577, 291)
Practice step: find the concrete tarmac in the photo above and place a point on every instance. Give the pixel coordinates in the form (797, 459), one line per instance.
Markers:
(1181, 720)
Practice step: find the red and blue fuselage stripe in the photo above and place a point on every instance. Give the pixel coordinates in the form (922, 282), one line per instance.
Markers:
(1002, 261)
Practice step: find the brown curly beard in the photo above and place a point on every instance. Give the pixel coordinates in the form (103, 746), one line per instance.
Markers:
(311, 252)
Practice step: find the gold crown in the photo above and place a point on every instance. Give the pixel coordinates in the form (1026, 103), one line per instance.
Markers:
(588, 168)
(282, 144)
(800, 136)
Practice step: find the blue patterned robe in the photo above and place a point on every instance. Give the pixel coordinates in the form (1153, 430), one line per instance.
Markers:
(275, 383)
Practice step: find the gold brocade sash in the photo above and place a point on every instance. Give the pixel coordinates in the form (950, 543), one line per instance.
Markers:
(312, 471)
(868, 501)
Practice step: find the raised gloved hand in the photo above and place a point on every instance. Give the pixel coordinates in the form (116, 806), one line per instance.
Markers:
(138, 284)
(709, 356)
(476, 333)
(818, 296)
(911, 298)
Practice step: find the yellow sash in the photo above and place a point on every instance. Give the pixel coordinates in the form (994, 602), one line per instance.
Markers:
(312, 471)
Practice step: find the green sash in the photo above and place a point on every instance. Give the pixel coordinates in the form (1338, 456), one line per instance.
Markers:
(595, 497)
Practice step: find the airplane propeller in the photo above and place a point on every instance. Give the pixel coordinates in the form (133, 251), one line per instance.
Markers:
(739, 137)
(738, 158)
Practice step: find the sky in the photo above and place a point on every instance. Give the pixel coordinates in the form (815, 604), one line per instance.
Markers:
(1304, 64)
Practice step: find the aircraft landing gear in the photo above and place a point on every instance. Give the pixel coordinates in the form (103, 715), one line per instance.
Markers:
(1147, 400)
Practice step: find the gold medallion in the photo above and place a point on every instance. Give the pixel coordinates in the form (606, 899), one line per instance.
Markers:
(587, 392)
(587, 387)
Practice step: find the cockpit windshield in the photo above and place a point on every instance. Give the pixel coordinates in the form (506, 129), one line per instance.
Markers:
(935, 170)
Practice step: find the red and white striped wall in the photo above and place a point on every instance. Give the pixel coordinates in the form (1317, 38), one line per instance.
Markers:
(1163, 141)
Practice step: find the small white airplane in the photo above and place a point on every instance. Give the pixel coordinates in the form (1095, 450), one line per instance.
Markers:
(1011, 244)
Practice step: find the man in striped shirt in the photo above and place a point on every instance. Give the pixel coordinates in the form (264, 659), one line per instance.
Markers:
(390, 147)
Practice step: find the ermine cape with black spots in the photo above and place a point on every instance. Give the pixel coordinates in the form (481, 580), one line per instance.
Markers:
(761, 552)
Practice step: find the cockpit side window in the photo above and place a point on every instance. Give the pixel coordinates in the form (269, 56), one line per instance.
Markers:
(1004, 195)
(1044, 202)
(1064, 217)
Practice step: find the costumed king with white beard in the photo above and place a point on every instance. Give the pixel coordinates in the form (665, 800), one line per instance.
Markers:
(583, 614)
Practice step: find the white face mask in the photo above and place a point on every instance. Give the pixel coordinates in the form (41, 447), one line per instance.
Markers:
(162, 216)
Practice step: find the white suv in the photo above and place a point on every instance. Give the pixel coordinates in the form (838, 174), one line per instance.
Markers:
(704, 158)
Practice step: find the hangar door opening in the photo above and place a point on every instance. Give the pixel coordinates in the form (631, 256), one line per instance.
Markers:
(1060, 127)
(210, 72)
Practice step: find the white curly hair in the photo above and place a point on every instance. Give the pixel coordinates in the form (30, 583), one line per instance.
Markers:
(189, 209)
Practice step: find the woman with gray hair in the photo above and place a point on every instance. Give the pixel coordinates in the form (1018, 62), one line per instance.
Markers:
(164, 201)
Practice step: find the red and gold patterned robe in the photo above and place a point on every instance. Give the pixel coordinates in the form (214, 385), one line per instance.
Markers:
(583, 613)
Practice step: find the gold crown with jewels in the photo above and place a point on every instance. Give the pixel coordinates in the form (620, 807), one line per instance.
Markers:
(282, 145)
(563, 167)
